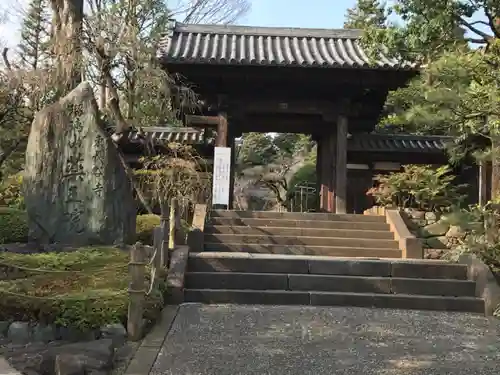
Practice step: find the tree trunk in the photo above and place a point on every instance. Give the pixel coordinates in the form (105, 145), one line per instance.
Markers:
(495, 167)
(67, 19)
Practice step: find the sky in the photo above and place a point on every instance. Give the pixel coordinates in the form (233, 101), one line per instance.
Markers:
(290, 13)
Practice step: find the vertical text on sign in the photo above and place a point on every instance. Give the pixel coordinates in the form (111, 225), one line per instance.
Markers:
(221, 176)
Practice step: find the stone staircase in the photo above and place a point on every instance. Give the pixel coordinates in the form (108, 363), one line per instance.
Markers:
(319, 259)
(300, 234)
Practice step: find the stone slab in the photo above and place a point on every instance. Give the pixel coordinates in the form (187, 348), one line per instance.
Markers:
(487, 286)
(284, 223)
(434, 287)
(298, 240)
(176, 274)
(6, 368)
(398, 301)
(350, 267)
(307, 250)
(147, 353)
(298, 231)
(429, 270)
(339, 283)
(247, 297)
(248, 264)
(236, 280)
(437, 303)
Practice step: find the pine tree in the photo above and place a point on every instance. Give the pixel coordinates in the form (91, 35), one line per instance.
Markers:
(366, 13)
(35, 35)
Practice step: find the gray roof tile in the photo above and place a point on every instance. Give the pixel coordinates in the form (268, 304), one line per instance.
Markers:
(245, 45)
(162, 134)
(357, 142)
(398, 143)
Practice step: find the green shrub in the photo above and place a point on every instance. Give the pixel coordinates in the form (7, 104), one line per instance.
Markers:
(13, 225)
(11, 194)
(144, 228)
(418, 186)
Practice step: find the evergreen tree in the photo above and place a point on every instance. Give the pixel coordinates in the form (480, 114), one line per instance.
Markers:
(458, 91)
(366, 13)
(35, 35)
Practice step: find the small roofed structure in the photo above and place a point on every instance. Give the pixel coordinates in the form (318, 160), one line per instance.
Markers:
(291, 80)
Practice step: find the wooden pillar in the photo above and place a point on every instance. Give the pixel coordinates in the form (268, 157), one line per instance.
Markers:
(482, 180)
(232, 144)
(319, 145)
(341, 166)
(327, 190)
(222, 131)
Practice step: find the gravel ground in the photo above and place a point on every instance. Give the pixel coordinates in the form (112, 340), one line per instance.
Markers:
(230, 340)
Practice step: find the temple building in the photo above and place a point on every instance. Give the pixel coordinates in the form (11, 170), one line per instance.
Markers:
(289, 80)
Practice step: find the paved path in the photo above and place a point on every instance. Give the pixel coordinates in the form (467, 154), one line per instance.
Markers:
(230, 340)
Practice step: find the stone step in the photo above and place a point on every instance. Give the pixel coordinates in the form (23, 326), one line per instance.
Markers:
(307, 232)
(283, 297)
(324, 265)
(331, 251)
(297, 216)
(285, 223)
(329, 283)
(263, 239)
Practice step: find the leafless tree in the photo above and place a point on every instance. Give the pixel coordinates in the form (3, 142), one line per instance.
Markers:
(210, 11)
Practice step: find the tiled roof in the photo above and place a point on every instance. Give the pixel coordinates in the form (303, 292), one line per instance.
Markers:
(245, 45)
(357, 142)
(160, 134)
(397, 143)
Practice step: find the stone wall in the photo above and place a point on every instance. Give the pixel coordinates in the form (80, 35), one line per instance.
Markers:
(436, 233)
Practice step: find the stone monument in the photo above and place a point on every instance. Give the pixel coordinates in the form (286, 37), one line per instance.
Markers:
(77, 191)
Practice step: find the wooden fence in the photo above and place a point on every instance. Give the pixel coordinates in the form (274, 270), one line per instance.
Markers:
(166, 237)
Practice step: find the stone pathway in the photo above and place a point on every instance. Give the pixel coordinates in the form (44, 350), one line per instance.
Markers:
(230, 340)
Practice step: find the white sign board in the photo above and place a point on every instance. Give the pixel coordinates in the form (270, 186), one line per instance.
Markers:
(221, 176)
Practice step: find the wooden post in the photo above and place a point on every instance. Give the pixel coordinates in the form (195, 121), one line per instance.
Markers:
(157, 244)
(221, 140)
(341, 166)
(164, 242)
(174, 224)
(136, 290)
(482, 183)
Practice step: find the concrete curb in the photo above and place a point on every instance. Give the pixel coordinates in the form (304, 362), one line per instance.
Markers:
(487, 287)
(145, 356)
(6, 368)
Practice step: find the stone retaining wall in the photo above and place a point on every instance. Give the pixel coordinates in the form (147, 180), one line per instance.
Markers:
(436, 233)
(39, 349)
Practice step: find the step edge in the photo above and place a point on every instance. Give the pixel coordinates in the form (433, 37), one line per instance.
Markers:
(334, 276)
(333, 238)
(389, 295)
(355, 248)
(268, 227)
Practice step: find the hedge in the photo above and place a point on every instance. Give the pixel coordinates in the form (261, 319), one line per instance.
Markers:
(14, 227)
(145, 225)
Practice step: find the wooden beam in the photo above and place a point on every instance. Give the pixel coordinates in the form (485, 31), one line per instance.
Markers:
(194, 120)
(341, 166)
(284, 105)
